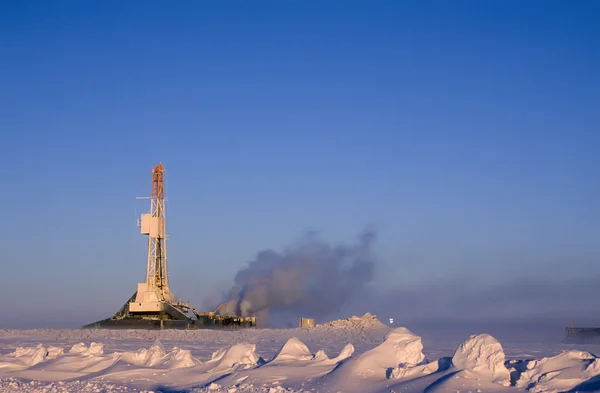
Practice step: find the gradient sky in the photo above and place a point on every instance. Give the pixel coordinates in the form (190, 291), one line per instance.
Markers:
(466, 132)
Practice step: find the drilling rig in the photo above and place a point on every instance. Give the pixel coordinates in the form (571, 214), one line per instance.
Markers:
(581, 334)
(153, 305)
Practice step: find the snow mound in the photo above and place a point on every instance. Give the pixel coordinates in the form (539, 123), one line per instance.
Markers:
(151, 357)
(593, 368)
(23, 358)
(95, 349)
(559, 373)
(407, 347)
(345, 353)
(366, 322)
(321, 357)
(30, 356)
(411, 372)
(157, 357)
(179, 358)
(483, 355)
(238, 356)
(137, 358)
(218, 354)
(54, 352)
(293, 350)
(401, 348)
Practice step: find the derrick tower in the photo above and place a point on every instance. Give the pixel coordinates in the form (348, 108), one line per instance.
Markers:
(153, 305)
(152, 294)
(154, 225)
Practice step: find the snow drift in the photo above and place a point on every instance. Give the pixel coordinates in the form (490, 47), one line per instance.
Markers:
(292, 351)
(401, 348)
(156, 356)
(93, 350)
(235, 357)
(396, 364)
(560, 373)
(28, 356)
(321, 357)
(483, 356)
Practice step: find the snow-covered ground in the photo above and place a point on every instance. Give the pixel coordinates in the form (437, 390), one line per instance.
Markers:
(359, 354)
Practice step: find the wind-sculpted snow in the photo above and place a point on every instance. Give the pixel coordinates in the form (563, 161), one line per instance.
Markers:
(483, 356)
(345, 353)
(320, 358)
(398, 356)
(397, 363)
(157, 357)
(560, 373)
(401, 348)
(26, 357)
(293, 350)
(92, 350)
(238, 356)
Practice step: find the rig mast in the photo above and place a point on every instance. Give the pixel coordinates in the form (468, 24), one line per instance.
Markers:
(157, 248)
(153, 305)
(152, 294)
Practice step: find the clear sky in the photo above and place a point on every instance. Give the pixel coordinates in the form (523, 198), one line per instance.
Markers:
(466, 132)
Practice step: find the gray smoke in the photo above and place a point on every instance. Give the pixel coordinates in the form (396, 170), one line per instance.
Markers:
(311, 278)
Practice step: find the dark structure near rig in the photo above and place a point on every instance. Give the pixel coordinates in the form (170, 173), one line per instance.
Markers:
(153, 305)
(581, 334)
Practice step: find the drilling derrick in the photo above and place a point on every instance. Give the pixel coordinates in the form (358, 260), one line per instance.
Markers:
(153, 295)
(157, 248)
(153, 305)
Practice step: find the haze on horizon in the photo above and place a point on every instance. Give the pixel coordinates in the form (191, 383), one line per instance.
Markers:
(464, 133)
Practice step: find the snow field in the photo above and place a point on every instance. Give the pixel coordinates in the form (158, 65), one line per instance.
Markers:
(361, 355)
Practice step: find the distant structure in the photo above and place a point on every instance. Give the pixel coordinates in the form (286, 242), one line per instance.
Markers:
(581, 334)
(307, 322)
(153, 305)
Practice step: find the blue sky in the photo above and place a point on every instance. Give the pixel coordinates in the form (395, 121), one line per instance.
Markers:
(466, 132)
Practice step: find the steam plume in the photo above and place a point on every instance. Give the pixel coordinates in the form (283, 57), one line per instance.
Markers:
(311, 278)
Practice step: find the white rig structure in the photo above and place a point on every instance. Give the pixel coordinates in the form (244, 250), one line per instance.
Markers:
(154, 294)
(153, 306)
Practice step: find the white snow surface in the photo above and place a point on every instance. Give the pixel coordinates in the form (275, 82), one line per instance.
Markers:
(292, 351)
(371, 358)
(236, 356)
(483, 356)
(560, 373)
(400, 348)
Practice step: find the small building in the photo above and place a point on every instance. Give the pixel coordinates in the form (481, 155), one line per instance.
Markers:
(307, 322)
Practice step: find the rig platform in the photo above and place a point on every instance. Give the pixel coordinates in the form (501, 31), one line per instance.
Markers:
(582, 334)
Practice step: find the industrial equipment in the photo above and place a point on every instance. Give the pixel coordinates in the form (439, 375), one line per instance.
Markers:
(306, 322)
(153, 305)
(581, 334)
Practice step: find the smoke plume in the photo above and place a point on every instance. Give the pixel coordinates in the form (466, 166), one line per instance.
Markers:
(311, 278)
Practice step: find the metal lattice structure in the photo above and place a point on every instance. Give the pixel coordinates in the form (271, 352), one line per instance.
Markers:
(157, 275)
(153, 306)
(154, 293)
